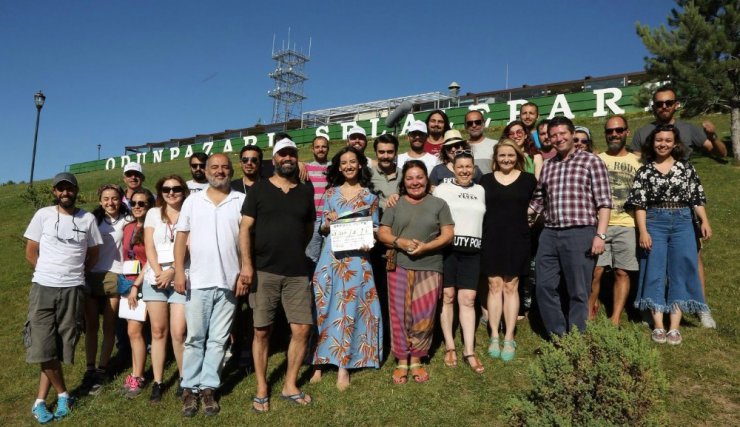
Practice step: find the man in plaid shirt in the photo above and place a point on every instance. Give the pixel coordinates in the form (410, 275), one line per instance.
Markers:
(575, 197)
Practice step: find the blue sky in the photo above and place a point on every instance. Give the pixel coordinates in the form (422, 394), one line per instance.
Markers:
(131, 72)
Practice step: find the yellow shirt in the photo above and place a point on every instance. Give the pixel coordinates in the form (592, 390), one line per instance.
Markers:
(622, 170)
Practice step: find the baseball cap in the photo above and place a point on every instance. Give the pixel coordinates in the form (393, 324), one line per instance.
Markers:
(64, 177)
(584, 130)
(133, 166)
(283, 143)
(356, 129)
(453, 136)
(418, 126)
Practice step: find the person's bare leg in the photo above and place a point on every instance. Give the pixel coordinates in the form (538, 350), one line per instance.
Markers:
(676, 318)
(260, 348)
(159, 319)
(621, 291)
(446, 319)
(296, 353)
(593, 298)
(343, 379)
(466, 303)
(138, 348)
(658, 320)
(511, 306)
(178, 332)
(51, 375)
(110, 315)
(495, 303)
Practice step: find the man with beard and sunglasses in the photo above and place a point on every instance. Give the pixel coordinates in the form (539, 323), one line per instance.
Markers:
(620, 246)
(481, 146)
(250, 158)
(62, 245)
(198, 171)
(209, 221)
(277, 223)
(665, 104)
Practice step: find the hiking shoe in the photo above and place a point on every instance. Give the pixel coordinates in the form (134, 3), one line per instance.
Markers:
(189, 403)
(659, 336)
(41, 413)
(707, 320)
(674, 337)
(157, 389)
(133, 386)
(210, 406)
(63, 407)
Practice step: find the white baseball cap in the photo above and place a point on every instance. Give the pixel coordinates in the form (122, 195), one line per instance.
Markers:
(418, 126)
(355, 130)
(283, 143)
(133, 166)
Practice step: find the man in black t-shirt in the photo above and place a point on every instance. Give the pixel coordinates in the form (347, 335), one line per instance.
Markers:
(277, 222)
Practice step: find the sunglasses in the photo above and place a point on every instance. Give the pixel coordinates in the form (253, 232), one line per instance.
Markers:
(129, 174)
(246, 160)
(198, 166)
(455, 146)
(139, 204)
(668, 103)
(610, 131)
(470, 123)
(585, 141)
(461, 152)
(175, 189)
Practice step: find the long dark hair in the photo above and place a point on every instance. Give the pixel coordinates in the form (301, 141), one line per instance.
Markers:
(99, 212)
(161, 204)
(528, 147)
(335, 178)
(410, 165)
(679, 150)
(138, 238)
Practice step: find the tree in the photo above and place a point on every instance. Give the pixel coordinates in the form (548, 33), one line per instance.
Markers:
(699, 55)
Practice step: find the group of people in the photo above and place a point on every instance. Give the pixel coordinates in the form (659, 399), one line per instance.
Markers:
(449, 217)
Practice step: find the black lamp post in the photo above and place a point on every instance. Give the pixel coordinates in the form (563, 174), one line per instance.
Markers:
(99, 151)
(39, 99)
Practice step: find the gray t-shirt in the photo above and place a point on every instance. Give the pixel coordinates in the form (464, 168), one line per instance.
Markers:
(691, 136)
(384, 185)
(483, 154)
(423, 222)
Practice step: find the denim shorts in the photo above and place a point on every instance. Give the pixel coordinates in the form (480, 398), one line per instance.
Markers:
(152, 293)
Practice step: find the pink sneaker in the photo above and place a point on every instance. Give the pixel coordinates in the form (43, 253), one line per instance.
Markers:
(133, 386)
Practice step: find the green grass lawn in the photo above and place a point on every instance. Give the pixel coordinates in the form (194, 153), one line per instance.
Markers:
(703, 373)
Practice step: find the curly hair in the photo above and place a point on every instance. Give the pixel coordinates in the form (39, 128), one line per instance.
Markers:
(335, 178)
(648, 151)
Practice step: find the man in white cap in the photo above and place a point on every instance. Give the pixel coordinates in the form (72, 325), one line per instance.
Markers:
(277, 222)
(417, 136)
(357, 138)
(133, 177)
(62, 245)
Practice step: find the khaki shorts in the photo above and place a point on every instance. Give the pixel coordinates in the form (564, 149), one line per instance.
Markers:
(102, 284)
(620, 249)
(54, 323)
(272, 289)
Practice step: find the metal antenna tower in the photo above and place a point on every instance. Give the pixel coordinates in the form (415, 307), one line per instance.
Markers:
(289, 77)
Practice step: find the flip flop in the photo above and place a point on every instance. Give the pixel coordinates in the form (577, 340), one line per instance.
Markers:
(400, 374)
(419, 373)
(295, 399)
(264, 401)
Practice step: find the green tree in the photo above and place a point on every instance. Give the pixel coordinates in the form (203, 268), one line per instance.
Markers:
(698, 53)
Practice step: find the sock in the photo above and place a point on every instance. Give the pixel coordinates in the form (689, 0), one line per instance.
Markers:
(38, 401)
(65, 394)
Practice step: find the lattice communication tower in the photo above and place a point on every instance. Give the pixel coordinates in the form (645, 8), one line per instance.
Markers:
(289, 77)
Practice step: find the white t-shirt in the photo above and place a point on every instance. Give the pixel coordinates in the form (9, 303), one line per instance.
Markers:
(63, 241)
(214, 239)
(468, 206)
(164, 238)
(483, 154)
(430, 160)
(110, 252)
(195, 187)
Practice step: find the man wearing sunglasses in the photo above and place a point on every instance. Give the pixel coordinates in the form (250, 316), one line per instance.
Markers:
(481, 146)
(250, 158)
(417, 136)
(133, 177)
(62, 245)
(665, 104)
(620, 247)
(198, 171)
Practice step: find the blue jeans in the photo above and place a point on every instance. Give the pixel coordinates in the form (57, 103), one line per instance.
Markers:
(669, 274)
(313, 250)
(208, 313)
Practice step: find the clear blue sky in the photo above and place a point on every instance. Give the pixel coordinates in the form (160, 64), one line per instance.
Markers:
(131, 72)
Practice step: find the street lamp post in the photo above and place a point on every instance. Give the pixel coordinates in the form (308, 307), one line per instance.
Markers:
(39, 99)
(98, 151)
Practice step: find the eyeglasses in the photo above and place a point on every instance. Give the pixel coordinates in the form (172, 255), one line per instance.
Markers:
(610, 131)
(129, 174)
(517, 132)
(667, 103)
(246, 160)
(584, 141)
(139, 204)
(198, 166)
(471, 123)
(175, 189)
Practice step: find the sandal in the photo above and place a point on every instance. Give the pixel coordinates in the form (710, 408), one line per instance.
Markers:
(478, 367)
(400, 374)
(509, 350)
(419, 373)
(493, 349)
(301, 399)
(263, 401)
(450, 362)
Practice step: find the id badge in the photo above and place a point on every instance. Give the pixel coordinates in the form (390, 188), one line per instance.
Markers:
(166, 256)
(131, 267)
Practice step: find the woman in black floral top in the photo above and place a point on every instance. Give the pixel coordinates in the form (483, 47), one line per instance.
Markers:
(665, 191)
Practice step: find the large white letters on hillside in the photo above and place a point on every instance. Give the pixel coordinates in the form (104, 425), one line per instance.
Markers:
(323, 131)
(611, 103)
(561, 106)
(174, 153)
(514, 108)
(250, 140)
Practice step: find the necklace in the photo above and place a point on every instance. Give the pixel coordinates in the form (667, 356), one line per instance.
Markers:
(107, 220)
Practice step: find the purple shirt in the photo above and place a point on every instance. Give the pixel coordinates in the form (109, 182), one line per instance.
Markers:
(572, 190)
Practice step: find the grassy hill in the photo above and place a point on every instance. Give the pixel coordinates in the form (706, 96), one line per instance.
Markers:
(702, 371)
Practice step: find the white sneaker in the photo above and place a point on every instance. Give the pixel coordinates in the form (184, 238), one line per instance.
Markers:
(707, 320)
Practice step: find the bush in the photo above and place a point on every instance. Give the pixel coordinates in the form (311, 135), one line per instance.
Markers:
(607, 376)
(38, 198)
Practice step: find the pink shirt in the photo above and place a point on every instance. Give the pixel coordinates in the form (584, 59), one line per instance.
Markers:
(317, 176)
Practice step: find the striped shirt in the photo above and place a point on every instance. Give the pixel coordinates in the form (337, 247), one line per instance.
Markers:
(317, 176)
(571, 190)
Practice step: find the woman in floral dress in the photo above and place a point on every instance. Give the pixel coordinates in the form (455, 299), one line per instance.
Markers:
(350, 333)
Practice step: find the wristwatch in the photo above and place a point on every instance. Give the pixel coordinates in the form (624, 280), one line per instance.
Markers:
(601, 236)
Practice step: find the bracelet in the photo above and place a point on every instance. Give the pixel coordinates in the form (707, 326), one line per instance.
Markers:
(395, 242)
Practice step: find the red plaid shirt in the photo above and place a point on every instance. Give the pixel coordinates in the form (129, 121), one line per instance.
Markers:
(572, 190)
